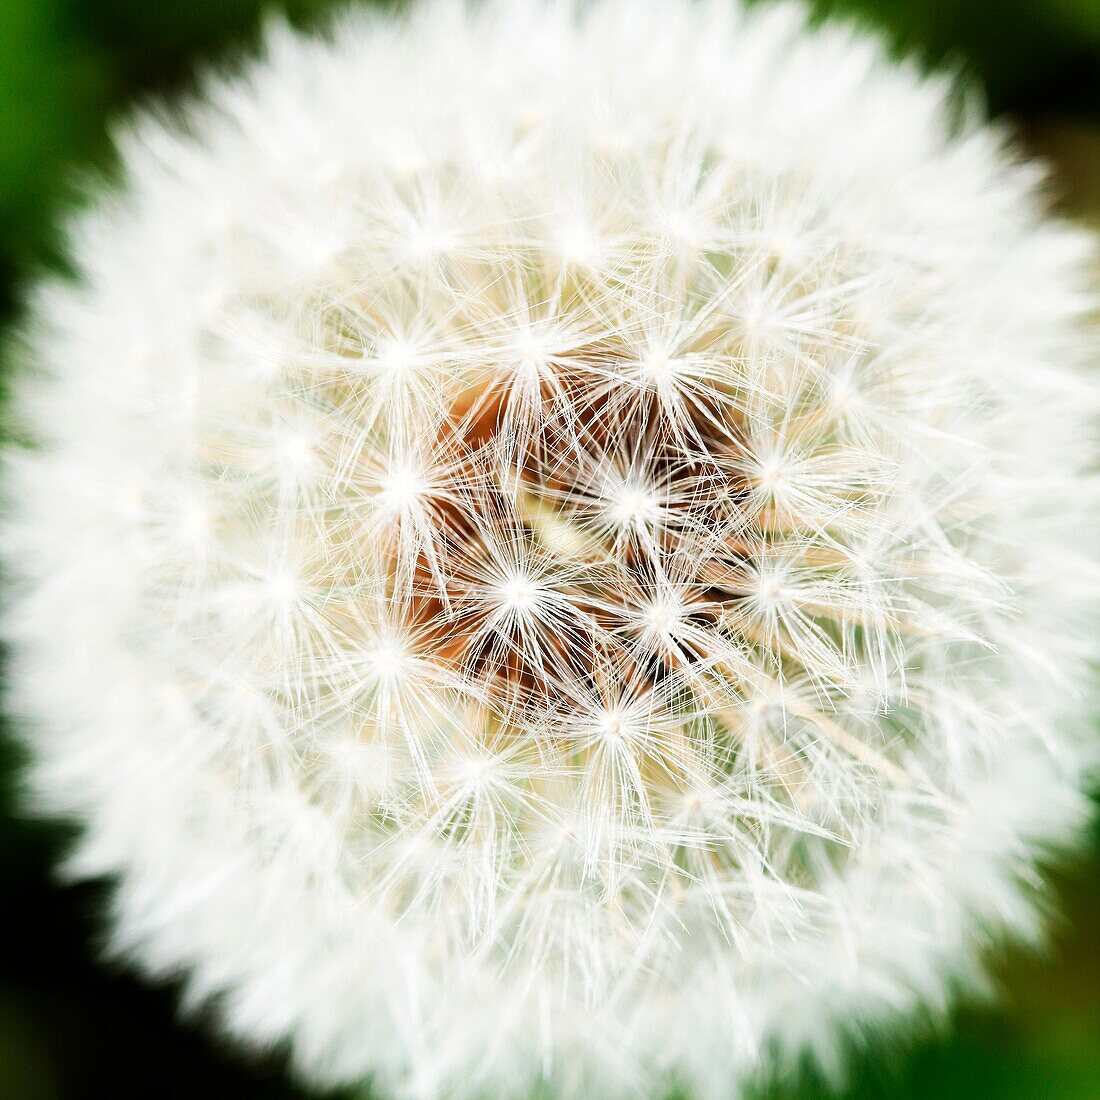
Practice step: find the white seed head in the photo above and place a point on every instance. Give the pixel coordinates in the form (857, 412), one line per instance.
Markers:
(556, 545)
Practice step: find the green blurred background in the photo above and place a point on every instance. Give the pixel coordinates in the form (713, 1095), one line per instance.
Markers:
(71, 1027)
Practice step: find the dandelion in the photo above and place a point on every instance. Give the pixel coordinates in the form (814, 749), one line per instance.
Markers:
(553, 546)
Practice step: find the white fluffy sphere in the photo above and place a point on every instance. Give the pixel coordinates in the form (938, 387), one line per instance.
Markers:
(554, 546)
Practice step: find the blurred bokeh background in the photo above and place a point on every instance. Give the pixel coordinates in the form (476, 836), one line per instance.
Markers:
(73, 1028)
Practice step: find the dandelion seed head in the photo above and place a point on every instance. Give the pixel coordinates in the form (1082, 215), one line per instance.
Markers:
(543, 569)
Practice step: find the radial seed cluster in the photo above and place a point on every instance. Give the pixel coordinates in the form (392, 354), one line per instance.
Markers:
(555, 547)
